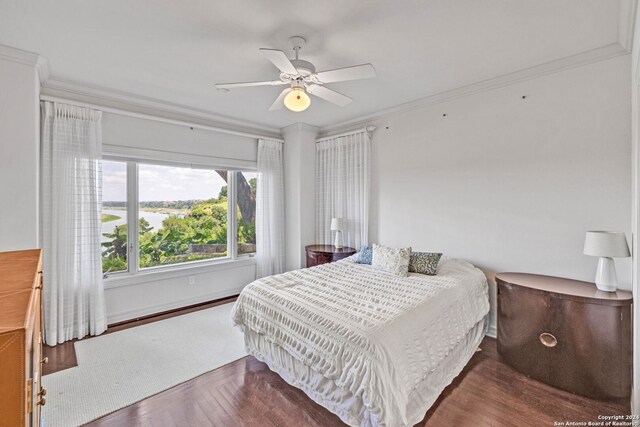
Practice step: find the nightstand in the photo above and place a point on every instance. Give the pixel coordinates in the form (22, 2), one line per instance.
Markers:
(322, 254)
(566, 333)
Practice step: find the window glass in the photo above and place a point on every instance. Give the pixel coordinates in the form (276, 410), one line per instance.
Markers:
(182, 214)
(246, 212)
(114, 216)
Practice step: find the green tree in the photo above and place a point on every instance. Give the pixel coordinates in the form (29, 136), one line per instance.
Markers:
(114, 254)
(246, 232)
(113, 264)
(223, 190)
(205, 223)
(253, 183)
(220, 235)
(210, 210)
(144, 226)
(116, 247)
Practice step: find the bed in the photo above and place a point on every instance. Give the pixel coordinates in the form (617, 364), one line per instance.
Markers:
(373, 348)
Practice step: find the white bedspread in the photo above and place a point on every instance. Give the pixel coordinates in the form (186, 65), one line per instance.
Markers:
(373, 334)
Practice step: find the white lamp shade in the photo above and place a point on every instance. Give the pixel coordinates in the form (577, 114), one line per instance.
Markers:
(297, 100)
(606, 244)
(337, 224)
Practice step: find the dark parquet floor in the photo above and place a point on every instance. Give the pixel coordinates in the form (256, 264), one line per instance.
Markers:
(246, 393)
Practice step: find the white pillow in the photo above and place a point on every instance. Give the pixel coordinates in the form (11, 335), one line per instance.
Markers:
(391, 260)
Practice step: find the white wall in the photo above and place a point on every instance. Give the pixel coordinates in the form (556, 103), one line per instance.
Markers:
(154, 294)
(170, 142)
(131, 296)
(507, 183)
(19, 149)
(299, 190)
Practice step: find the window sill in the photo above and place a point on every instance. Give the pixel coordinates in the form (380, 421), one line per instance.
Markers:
(169, 272)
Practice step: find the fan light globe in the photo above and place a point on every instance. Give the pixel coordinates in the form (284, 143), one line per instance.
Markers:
(297, 100)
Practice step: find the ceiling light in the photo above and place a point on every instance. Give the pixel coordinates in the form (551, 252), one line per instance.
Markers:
(297, 100)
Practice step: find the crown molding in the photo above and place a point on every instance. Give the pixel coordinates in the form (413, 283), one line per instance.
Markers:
(18, 55)
(90, 94)
(117, 100)
(578, 60)
(296, 129)
(24, 57)
(44, 72)
(300, 127)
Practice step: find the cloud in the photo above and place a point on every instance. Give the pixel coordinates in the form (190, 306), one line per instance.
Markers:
(158, 183)
(114, 181)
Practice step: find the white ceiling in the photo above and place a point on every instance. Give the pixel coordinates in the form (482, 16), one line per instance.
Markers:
(174, 50)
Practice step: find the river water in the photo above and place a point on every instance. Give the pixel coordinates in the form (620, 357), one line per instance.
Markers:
(155, 219)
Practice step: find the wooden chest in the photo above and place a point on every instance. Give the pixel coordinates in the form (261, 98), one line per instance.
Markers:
(566, 333)
(21, 394)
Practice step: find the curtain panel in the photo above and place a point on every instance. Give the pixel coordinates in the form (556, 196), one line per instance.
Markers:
(343, 181)
(270, 209)
(71, 155)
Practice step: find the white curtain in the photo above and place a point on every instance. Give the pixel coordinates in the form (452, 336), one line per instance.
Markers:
(73, 293)
(343, 180)
(270, 209)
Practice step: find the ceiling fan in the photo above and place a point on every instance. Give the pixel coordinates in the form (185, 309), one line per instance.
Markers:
(301, 77)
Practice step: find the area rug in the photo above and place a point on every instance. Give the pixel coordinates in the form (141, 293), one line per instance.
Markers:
(122, 368)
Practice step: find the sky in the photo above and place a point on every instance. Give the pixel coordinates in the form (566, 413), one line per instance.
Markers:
(159, 183)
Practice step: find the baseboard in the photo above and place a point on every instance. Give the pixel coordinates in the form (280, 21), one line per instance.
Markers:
(173, 305)
(163, 314)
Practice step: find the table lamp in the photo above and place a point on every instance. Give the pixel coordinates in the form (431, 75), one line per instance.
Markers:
(337, 225)
(606, 245)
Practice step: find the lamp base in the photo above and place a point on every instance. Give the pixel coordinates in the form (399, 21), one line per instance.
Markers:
(338, 242)
(606, 278)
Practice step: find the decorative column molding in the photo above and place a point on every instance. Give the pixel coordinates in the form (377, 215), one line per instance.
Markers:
(299, 190)
(20, 76)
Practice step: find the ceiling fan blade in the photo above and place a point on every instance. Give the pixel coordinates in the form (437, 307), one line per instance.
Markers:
(329, 95)
(248, 84)
(364, 71)
(280, 60)
(279, 102)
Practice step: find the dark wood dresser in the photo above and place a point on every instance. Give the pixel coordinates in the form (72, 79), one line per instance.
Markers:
(21, 394)
(566, 333)
(322, 254)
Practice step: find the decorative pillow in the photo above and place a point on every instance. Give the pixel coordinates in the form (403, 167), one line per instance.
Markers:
(391, 260)
(424, 262)
(364, 256)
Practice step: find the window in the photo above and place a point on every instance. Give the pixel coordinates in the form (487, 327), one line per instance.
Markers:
(182, 214)
(114, 216)
(246, 201)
